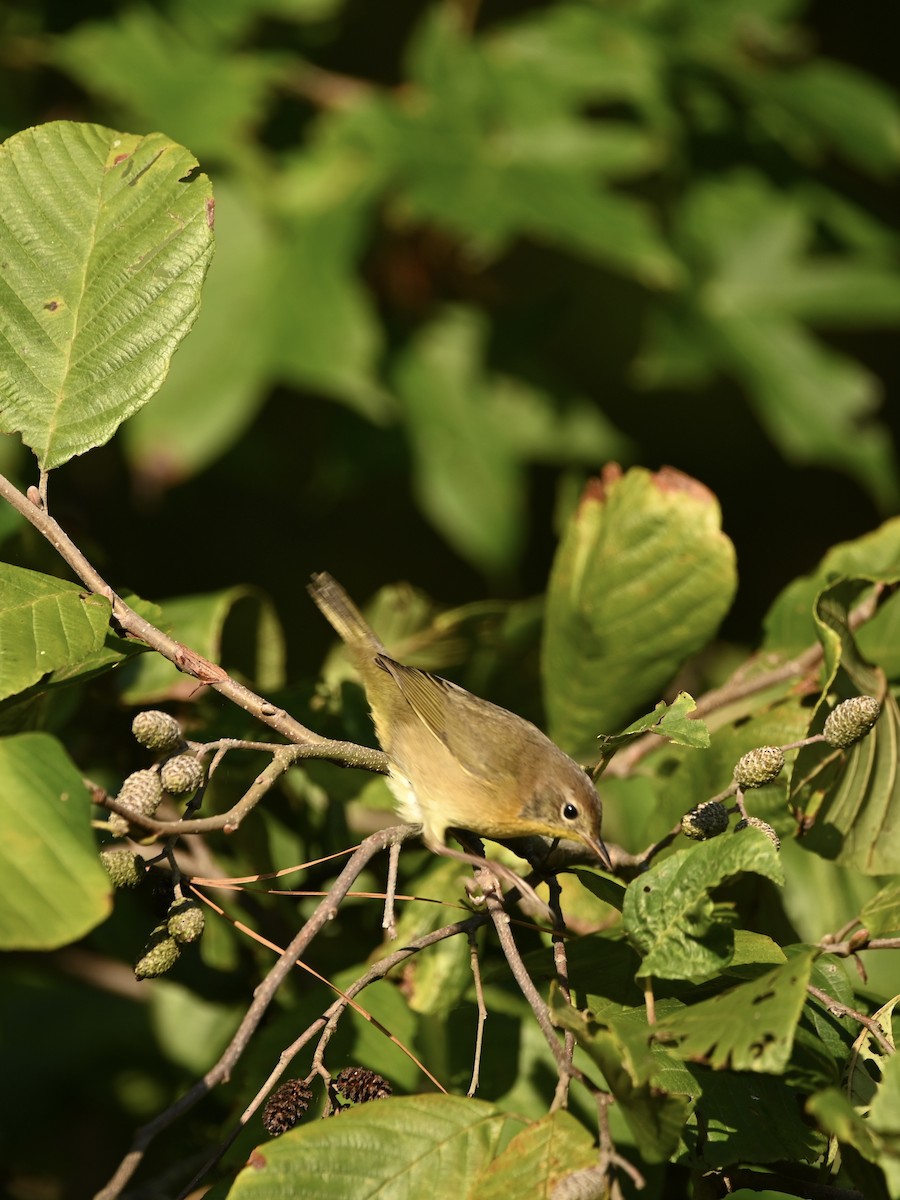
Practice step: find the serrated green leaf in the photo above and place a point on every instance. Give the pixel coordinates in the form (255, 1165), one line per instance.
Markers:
(200, 623)
(537, 1159)
(54, 887)
(401, 1147)
(641, 580)
(670, 721)
(106, 240)
(747, 1028)
(668, 912)
(46, 625)
(881, 914)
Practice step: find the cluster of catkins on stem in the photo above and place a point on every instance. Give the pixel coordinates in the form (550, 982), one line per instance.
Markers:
(846, 724)
(178, 773)
(288, 1103)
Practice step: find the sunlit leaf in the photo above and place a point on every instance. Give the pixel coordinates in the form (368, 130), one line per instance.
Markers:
(670, 916)
(405, 1146)
(46, 625)
(537, 1159)
(55, 888)
(747, 1028)
(641, 580)
(105, 239)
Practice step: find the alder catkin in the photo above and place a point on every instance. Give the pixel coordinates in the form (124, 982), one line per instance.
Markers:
(181, 774)
(157, 731)
(850, 721)
(286, 1106)
(759, 767)
(707, 820)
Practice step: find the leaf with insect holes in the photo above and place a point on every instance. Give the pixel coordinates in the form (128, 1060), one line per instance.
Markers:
(747, 1028)
(670, 916)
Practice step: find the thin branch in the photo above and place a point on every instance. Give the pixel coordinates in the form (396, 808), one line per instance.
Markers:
(283, 758)
(843, 1010)
(500, 918)
(326, 1025)
(860, 941)
(388, 922)
(609, 1156)
(560, 962)
(482, 1012)
(188, 661)
(262, 997)
(741, 687)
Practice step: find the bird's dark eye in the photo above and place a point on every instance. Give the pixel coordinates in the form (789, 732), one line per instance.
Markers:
(569, 812)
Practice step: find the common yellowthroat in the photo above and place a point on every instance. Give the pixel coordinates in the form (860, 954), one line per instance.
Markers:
(459, 762)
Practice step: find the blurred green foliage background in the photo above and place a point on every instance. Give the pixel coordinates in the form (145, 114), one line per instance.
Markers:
(467, 253)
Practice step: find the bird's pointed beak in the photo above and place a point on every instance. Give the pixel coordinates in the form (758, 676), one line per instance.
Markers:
(601, 852)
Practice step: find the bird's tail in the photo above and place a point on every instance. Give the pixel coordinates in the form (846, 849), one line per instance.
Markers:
(349, 623)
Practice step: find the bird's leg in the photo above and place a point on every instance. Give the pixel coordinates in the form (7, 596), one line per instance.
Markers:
(469, 855)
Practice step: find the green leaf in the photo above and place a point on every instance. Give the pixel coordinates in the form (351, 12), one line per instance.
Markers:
(748, 1117)
(491, 148)
(218, 380)
(54, 887)
(884, 1120)
(325, 332)
(747, 1028)
(106, 242)
(834, 1114)
(608, 890)
(165, 71)
(881, 914)
(537, 1159)
(817, 405)
(671, 721)
(756, 283)
(641, 579)
(401, 1147)
(790, 622)
(670, 916)
(850, 110)
(469, 480)
(46, 625)
(201, 622)
(851, 798)
(633, 1071)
